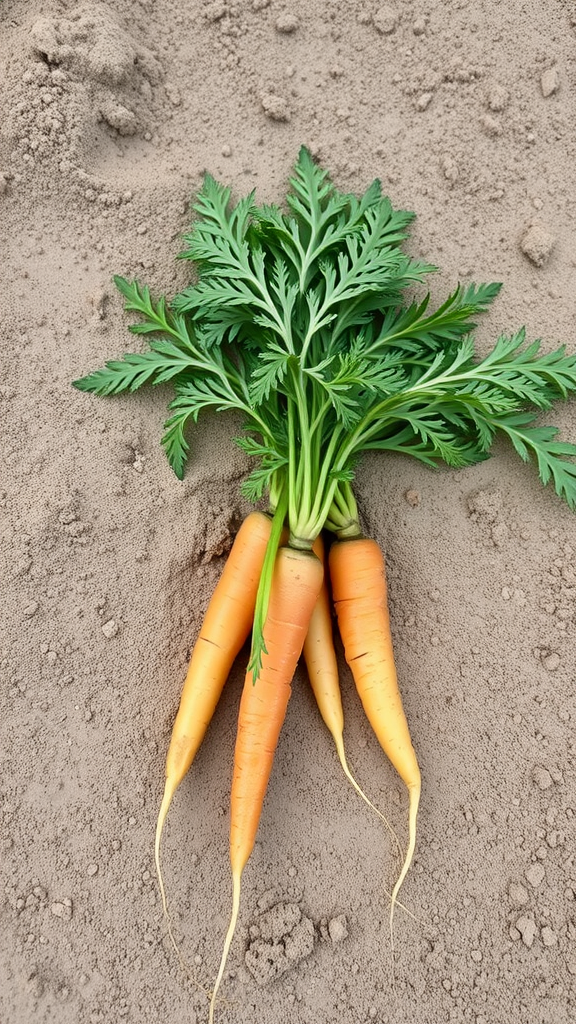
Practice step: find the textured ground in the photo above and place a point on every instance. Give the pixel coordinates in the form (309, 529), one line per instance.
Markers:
(110, 115)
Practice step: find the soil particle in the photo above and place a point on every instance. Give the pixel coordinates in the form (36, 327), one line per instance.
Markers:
(491, 127)
(275, 107)
(535, 875)
(412, 497)
(537, 243)
(286, 24)
(449, 168)
(550, 82)
(385, 19)
(338, 929)
(424, 100)
(518, 894)
(280, 938)
(541, 777)
(497, 97)
(119, 117)
(526, 928)
(62, 909)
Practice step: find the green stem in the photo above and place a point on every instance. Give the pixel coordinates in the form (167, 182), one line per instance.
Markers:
(313, 518)
(258, 647)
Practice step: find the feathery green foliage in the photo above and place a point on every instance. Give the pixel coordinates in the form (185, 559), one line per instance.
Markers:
(298, 319)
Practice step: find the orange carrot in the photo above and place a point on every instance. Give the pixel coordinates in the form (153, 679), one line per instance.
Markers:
(357, 573)
(224, 631)
(322, 668)
(295, 587)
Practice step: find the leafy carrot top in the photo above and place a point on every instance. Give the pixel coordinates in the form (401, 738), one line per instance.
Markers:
(299, 319)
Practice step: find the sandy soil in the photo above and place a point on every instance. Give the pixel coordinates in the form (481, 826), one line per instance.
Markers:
(110, 115)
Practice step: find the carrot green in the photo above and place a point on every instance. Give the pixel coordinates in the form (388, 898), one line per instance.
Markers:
(299, 318)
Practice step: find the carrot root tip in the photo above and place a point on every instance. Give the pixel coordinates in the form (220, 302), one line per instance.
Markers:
(169, 791)
(236, 878)
(360, 791)
(414, 792)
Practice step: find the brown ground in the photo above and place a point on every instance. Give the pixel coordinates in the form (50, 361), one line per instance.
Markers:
(110, 114)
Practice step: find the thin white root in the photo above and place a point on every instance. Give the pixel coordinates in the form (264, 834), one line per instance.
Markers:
(414, 794)
(227, 942)
(169, 791)
(403, 907)
(340, 749)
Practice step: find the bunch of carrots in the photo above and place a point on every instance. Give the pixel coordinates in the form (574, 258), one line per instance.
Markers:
(298, 319)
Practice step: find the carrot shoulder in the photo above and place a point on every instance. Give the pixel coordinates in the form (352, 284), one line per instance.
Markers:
(357, 573)
(295, 587)
(225, 629)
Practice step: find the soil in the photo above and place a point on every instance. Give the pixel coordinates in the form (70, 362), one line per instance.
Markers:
(111, 115)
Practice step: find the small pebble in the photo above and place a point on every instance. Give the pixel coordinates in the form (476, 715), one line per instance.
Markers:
(119, 117)
(92, 869)
(535, 875)
(385, 20)
(62, 909)
(537, 243)
(541, 777)
(419, 26)
(412, 497)
(110, 628)
(424, 100)
(551, 661)
(550, 82)
(226, 150)
(549, 937)
(527, 929)
(286, 24)
(338, 929)
(214, 12)
(275, 107)
(31, 609)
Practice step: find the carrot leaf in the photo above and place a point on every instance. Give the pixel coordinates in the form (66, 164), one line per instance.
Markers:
(306, 319)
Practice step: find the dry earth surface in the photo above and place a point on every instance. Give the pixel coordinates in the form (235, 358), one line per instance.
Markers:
(110, 115)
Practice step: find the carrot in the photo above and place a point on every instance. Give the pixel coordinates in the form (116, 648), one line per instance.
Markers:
(322, 668)
(295, 587)
(224, 631)
(357, 573)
